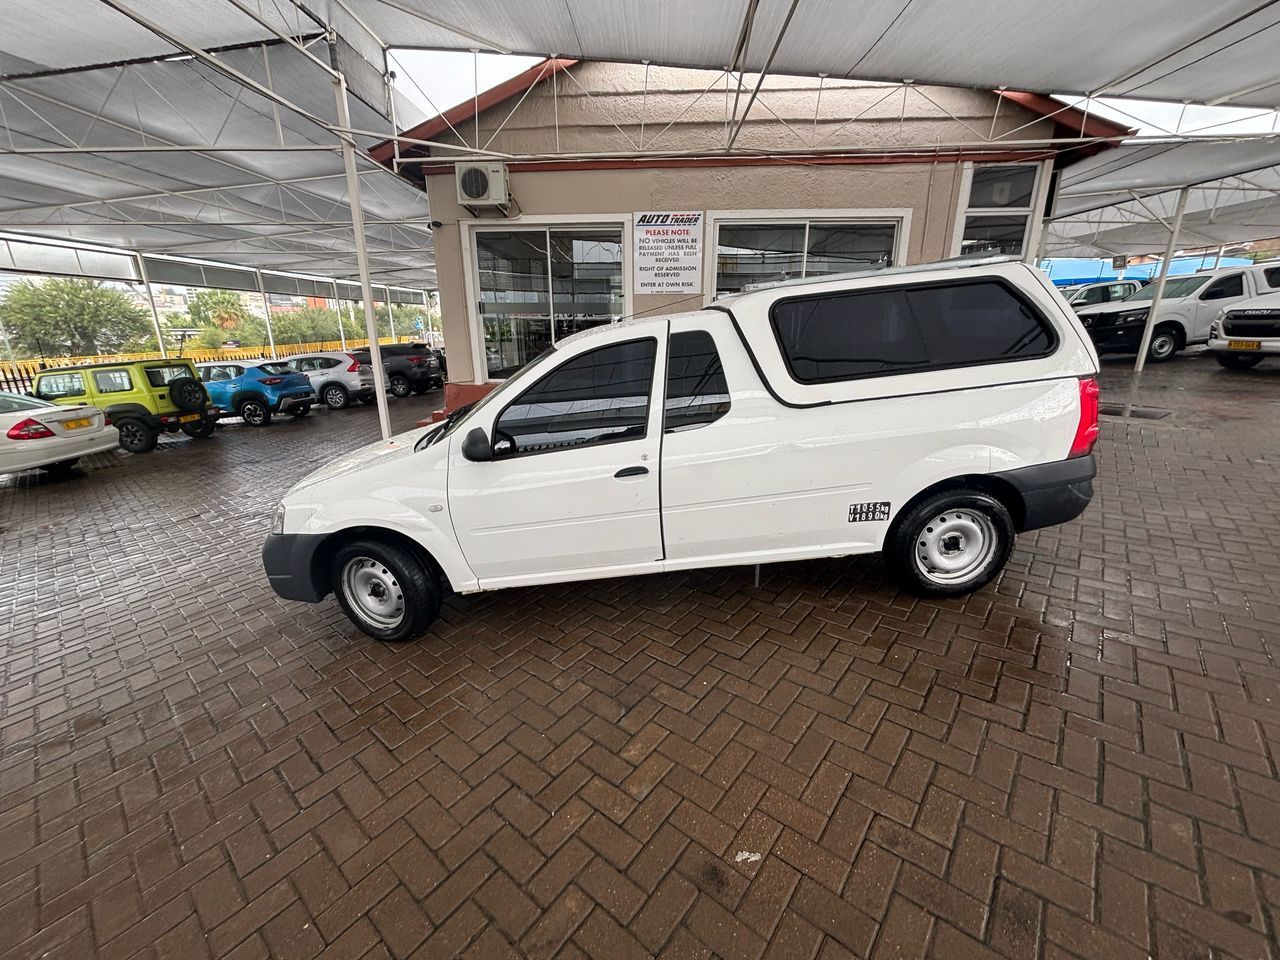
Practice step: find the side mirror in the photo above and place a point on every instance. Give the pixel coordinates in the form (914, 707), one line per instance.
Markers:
(476, 446)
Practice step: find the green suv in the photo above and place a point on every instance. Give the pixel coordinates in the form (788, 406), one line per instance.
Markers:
(142, 398)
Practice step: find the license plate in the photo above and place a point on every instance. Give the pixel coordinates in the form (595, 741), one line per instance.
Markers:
(1244, 345)
(77, 423)
(189, 418)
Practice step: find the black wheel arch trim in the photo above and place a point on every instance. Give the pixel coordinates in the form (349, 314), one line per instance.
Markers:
(1052, 493)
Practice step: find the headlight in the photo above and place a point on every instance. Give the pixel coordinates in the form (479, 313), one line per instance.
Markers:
(277, 520)
(1133, 316)
(1213, 330)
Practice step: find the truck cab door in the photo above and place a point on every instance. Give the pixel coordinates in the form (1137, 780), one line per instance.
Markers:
(571, 491)
(1219, 293)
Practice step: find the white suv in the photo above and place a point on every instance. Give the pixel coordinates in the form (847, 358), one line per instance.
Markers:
(337, 378)
(931, 412)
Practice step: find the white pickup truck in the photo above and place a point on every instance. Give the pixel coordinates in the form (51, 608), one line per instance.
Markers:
(1188, 306)
(1247, 333)
(931, 412)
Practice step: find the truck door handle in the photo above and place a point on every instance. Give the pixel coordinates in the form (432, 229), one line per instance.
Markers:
(631, 472)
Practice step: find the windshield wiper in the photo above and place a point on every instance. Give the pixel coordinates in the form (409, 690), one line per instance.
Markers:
(445, 424)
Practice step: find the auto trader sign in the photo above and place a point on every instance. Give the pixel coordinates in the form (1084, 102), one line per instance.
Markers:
(668, 252)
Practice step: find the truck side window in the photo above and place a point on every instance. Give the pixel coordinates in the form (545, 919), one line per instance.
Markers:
(601, 396)
(887, 331)
(1272, 275)
(1221, 289)
(696, 390)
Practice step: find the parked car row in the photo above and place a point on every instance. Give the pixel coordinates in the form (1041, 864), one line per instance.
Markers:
(71, 412)
(1235, 310)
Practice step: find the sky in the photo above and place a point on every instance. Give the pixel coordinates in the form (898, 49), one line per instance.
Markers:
(436, 81)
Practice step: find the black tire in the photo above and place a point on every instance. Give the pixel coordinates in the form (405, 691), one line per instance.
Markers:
(405, 589)
(187, 394)
(1164, 344)
(300, 411)
(62, 468)
(941, 529)
(1238, 361)
(254, 411)
(335, 396)
(400, 386)
(200, 430)
(136, 436)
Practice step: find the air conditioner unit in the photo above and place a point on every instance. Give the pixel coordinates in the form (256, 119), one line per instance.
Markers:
(482, 184)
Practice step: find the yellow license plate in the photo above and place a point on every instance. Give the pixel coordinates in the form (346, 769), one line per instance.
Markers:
(77, 423)
(189, 418)
(1244, 345)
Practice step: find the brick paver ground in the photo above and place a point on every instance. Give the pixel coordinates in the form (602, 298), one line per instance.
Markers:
(1079, 761)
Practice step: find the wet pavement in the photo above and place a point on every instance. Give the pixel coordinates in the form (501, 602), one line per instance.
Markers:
(1078, 761)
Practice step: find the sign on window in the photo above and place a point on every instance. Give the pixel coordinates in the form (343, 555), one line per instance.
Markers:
(668, 252)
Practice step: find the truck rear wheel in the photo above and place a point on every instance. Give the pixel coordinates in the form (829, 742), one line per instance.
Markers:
(952, 543)
(385, 590)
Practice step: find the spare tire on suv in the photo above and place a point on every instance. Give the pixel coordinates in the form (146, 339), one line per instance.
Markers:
(187, 394)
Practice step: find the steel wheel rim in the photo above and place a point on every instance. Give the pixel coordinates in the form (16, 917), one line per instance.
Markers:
(1162, 345)
(252, 413)
(334, 397)
(374, 592)
(954, 546)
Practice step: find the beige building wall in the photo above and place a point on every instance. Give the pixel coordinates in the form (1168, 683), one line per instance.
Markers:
(610, 121)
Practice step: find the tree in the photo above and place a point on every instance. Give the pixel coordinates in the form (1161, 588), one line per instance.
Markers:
(218, 308)
(73, 318)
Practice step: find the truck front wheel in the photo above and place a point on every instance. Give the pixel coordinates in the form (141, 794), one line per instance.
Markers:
(385, 590)
(951, 543)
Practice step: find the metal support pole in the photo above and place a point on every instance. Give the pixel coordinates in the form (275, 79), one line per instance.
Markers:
(357, 229)
(155, 313)
(1164, 274)
(266, 306)
(351, 314)
(1217, 261)
(391, 317)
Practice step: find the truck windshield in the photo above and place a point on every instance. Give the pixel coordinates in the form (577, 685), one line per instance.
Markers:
(1174, 289)
(521, 376)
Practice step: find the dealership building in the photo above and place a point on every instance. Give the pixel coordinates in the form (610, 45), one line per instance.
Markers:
(568, 226)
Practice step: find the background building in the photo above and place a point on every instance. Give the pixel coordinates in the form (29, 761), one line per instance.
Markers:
(919, 173)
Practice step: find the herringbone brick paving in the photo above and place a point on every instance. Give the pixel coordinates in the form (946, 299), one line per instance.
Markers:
(1079, 761)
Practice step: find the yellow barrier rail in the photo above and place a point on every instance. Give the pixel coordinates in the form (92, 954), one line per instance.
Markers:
(18, 374)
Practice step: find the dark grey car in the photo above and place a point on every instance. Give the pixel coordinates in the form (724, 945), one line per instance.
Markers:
(411, 367)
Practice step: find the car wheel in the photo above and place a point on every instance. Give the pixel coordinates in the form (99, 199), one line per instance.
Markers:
(254, 412)
(385, 590)
(952, 543)
(300, 411)
(200, 430)
(400, 386)
(187, 394)
(62, 468)
(1164, 344)
(336, 396)
(1238, 361)
(136, 436)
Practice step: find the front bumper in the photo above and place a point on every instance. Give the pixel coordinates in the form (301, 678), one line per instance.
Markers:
(1265, 346)
(1053, 493)
(289, 559)
(1110, 335)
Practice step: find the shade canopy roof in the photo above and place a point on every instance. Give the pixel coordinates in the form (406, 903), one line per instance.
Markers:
(106, 104)
(1123, 201)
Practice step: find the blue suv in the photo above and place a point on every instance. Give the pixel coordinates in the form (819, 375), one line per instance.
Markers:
(254, 390)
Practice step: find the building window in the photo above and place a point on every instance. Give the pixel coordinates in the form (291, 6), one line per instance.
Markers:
(540, 285)
(752, 253)
(999, 209)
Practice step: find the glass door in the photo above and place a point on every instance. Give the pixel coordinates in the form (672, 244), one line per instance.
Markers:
(538, 286)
